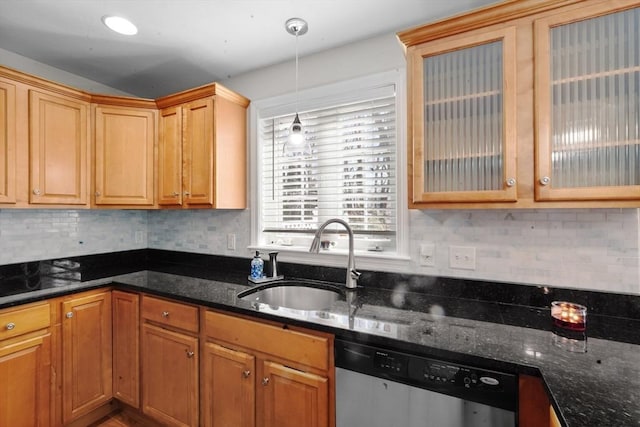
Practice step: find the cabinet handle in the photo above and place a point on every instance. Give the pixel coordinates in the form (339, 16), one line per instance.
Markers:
(175, 194)
(36, 191)
(97, 194)
(246, 373)
(511, 182)
(186, 193)
(545, 180)
(189, 353)
(165, 314)
(265, 381)
(69, 315)
(11, 326)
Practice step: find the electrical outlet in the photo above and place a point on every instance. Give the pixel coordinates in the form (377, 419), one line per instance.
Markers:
(428, 255)
(231, 242)
(462, 257)
(139, 236)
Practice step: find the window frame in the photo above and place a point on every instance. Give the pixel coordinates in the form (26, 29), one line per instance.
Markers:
(318, 97)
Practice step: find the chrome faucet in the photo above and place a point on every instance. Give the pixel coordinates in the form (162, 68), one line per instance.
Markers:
(352, 274)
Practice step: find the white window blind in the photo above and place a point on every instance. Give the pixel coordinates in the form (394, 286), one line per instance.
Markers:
(350, 174)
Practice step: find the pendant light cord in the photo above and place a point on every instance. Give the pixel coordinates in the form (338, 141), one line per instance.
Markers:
(297, 98)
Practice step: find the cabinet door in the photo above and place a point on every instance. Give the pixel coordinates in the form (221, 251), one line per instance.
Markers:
(463, 127)
(126, 347)
(170, 157)
(86, 354)
(229, 387)
(7, 142)
(170, 376)
(588, 104)
(198, 152)
(293, 398)
(25, 370)
(58, 134)
(124, 145)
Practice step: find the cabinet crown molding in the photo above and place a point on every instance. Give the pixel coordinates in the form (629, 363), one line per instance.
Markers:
(480, 18)
(211, 89)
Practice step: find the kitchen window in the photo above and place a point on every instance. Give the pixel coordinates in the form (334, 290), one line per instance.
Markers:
(351, 173)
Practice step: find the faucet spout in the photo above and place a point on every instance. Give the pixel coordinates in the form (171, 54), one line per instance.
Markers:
(351, 281)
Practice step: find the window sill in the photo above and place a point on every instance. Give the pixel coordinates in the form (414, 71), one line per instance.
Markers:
(365, 260)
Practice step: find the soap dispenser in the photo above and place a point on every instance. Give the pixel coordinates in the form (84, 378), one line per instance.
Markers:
(257, 267)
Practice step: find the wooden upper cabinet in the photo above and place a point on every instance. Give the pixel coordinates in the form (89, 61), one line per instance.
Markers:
(124, 155)
(7, 141)
(170, 157)
(59, 149)
(526, 104)
(588, 103)
(463, 118)
(202, 150)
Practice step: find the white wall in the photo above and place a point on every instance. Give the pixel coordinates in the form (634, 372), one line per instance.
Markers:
(587, 249)
(38, 69)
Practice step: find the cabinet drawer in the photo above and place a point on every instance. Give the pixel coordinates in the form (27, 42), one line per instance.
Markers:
(18, 321)
(170, 313)
(300, 347)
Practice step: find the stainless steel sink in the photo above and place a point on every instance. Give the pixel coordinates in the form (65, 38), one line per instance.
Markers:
(293, 294)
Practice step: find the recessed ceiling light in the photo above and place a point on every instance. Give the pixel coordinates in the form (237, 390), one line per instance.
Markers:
(120, 25)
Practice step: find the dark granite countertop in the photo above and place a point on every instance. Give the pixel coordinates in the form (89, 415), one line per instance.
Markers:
(598, 388)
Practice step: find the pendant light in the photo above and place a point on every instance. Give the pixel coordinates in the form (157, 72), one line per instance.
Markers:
(296, 145)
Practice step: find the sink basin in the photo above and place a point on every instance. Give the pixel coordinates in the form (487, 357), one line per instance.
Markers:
(294, 294)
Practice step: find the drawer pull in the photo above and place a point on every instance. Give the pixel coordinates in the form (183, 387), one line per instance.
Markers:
(245, 374)
(545, 180)
(165, 314)
(11, 326)
(69, 315)
(189, 353)
(265, 381)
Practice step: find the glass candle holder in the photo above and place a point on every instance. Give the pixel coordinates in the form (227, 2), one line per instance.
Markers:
(569, 325)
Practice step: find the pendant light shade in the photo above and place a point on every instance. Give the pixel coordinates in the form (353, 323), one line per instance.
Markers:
(296, 144)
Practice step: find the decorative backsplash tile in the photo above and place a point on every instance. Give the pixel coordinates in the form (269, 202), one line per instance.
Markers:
(581, 249)
(30, 235)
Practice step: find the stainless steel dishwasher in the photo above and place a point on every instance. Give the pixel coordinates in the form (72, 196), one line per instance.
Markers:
(376, 387)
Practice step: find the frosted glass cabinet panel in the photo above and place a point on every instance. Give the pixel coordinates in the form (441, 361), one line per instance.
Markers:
(588, 100)
(463, 118)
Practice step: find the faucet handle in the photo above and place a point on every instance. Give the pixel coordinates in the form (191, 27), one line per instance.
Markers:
(355, 274)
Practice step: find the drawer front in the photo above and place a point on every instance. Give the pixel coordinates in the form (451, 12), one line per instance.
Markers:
(170, 313)
(299, 347)
(21, 320)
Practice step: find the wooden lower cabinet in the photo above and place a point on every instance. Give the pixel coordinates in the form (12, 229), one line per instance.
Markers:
(229, 387)
(266, 375)
(25, 366)
(292, 398)
(170, 376)
(534, 409)
(86, 353)
(126, 347)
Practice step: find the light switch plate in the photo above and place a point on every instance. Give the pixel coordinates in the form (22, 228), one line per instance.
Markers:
(231, 242)
(427, 255)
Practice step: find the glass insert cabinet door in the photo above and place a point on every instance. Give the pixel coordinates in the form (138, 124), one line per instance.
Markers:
(588, 105)
(463, 118)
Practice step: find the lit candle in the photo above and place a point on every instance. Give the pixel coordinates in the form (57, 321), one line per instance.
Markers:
(567, 315)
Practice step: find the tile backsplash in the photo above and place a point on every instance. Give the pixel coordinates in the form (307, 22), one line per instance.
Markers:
(30, 234)
(593, 249)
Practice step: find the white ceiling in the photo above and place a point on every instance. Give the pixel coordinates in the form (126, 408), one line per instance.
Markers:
(187, 43)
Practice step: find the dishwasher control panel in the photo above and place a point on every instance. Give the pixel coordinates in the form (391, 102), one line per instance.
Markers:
(476, 384)
(392, 363)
